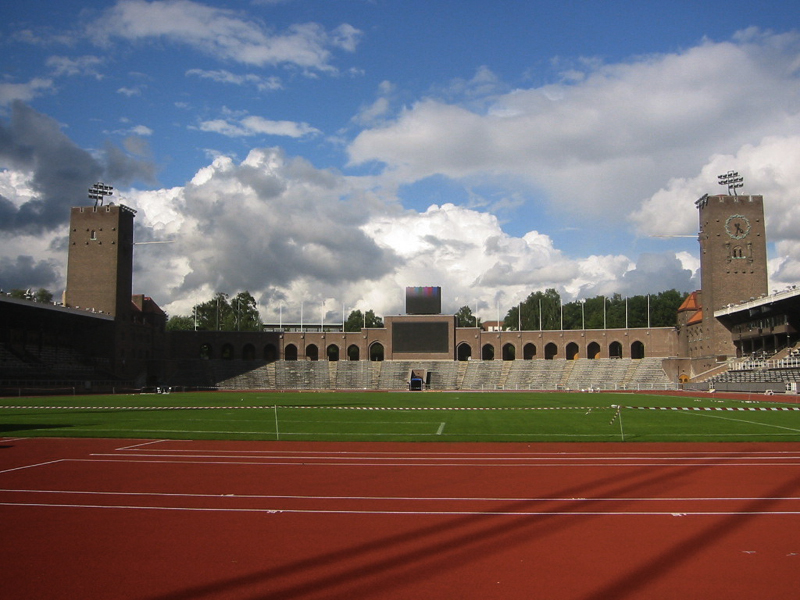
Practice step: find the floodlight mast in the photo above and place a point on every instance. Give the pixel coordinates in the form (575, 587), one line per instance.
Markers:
(99, 191)
(732, 180)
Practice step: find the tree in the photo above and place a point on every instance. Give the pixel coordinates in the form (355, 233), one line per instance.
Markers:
(358, 320)
(466, 318)
(220, 314)
(540, 310)
(612, 312)
(180, 323)
(40, 295)
(244, 312)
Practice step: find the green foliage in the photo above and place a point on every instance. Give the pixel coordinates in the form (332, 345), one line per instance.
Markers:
(221, 313)
(542, 310)
(40, 295)
(466, 318)
(180, 323)
(358, 320)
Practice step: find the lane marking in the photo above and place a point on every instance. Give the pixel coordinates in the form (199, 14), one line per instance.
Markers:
(42, 464)
(399, 498)
(410, 512)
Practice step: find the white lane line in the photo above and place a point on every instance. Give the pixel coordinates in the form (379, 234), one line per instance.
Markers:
(140, 445)
(670, 454)
(42, 464)
(411, 512)
(281, 461)
(474, 459)
(441, 428)
(397, 498)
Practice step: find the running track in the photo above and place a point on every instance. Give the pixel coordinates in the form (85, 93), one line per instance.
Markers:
(174, 520)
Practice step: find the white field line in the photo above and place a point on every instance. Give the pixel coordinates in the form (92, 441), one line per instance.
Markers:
(699, 414)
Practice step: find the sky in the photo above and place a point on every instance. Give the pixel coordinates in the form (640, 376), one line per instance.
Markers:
(325, 154)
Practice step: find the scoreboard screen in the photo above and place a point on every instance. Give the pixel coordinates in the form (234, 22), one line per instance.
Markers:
(423, 300)
(420, 337)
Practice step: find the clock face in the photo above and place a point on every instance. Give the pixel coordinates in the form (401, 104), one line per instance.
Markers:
(737, 226)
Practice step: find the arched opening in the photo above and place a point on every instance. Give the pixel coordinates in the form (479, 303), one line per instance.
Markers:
(333, 353)
(290, 352)
(637, 349)
(550, 351)
(312, 352)
(528, 351)
(227, 352)
(684, 378)
(615, 350)
(249, 352)
(353, 353)
(573, 352)
(593, 350)
(376, 352)
(487, 352)
(464, 351)
(206, 352)
(270, 353)
(509, 351)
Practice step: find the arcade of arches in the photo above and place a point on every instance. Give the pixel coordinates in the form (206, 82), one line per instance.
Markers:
(550, 351)
(351, 348)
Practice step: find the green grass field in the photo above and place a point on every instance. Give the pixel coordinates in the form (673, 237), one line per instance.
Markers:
(402, 416)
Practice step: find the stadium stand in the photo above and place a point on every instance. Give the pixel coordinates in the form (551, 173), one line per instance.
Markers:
(581, 374)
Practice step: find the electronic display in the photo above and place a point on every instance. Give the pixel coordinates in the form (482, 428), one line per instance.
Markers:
(423, 300)
(420, 337)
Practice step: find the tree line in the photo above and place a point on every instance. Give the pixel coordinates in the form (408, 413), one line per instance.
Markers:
(240, 313)
(540, 310)
(543, 310)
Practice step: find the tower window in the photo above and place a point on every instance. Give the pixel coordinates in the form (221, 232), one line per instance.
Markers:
(93, 235)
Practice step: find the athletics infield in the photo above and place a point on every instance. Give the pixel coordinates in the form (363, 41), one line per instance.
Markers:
(175, 520)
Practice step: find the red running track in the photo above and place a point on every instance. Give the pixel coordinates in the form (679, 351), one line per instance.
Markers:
(174, 520)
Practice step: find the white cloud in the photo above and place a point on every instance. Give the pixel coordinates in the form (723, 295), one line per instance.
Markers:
(10, 92)
(597, 145)
(292, 234)
(223, 33)
(223, 76)
(254, 125)
(83, 65)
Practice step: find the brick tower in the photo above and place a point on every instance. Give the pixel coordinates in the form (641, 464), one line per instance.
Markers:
(100, 262)
(733, 262)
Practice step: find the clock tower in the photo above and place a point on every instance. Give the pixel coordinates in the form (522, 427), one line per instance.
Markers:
(733, 262)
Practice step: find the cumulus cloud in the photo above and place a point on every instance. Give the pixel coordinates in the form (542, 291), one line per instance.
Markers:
(226, 34)
(593, 145)
(24, 92)
(25, 272)
(57, 171)
(263, 224)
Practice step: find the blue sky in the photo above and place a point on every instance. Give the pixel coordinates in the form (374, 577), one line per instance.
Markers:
(337, 151)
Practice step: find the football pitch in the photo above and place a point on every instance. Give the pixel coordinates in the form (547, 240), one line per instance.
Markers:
(402, 416)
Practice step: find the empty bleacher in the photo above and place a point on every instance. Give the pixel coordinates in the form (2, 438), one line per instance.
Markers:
(607, 374)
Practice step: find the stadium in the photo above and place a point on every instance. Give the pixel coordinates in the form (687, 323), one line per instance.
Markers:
(730, 335)
(298, 463)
